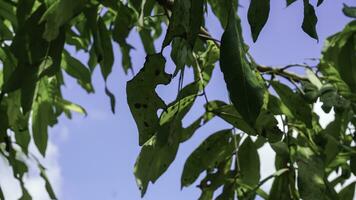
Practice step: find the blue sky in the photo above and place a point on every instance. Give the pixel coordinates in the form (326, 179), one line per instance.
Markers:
(92, 157)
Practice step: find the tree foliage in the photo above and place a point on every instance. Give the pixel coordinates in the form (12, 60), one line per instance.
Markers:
(34, 39)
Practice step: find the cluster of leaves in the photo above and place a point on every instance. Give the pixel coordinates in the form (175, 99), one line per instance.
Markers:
(35, 36)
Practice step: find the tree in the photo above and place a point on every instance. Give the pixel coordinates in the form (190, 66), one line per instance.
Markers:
(35, 36)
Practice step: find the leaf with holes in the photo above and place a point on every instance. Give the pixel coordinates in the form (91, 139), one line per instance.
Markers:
(142, 97)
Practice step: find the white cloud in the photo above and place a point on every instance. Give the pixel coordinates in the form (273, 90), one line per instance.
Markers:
(33, 182)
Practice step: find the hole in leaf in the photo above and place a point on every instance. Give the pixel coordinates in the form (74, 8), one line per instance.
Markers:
(208, 183)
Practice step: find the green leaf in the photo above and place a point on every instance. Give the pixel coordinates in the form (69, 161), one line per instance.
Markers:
(348, 192)
(246, 93)
(41, 117)
(249, 162)
(69, 106)
(1, 194)
(228, 193)
(353, 164)
(280, 188)
(111, 97)
(5, 33)
(177, 109)
(295, 103)
(77, 70)
(142, 97)
(123, 25)
(309, 20)
(319, 2)
(257, 16)
(221, 9)
(196, 20)
(313, 78)
(155, 157)
(60, 13)
(346, 62)
(7, 11)
(216, 148)
(179, 22)
(230, 115)
(349, 11)
(47, 183)
(289, 2)
(180, 52)
(105, 46)
(311, 175)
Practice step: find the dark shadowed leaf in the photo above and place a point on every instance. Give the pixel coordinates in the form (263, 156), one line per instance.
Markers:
(347, 193)
(58, 15)
(289, 2)
(311, 175)
(249, 162)
(258, 13)
(309, 20)
(245, 91)
(349, 11)
(295, 103)
(41, 116)
(208, 155)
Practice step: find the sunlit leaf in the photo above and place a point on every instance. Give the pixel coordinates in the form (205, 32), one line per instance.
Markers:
(142, 97)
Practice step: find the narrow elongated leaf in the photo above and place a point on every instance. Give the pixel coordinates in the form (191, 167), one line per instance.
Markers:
(106, 46)
(249, 162)
(69, 106)
(40, 121)
(123, 24)
(245, 91)
(142, 97)
(76, 69)
(289, 2)
(209, 153)
(319, 2)
(59, 14)
(196, 20)
(47, 183)
(309, 20)
(257, 16)
(349, 11)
